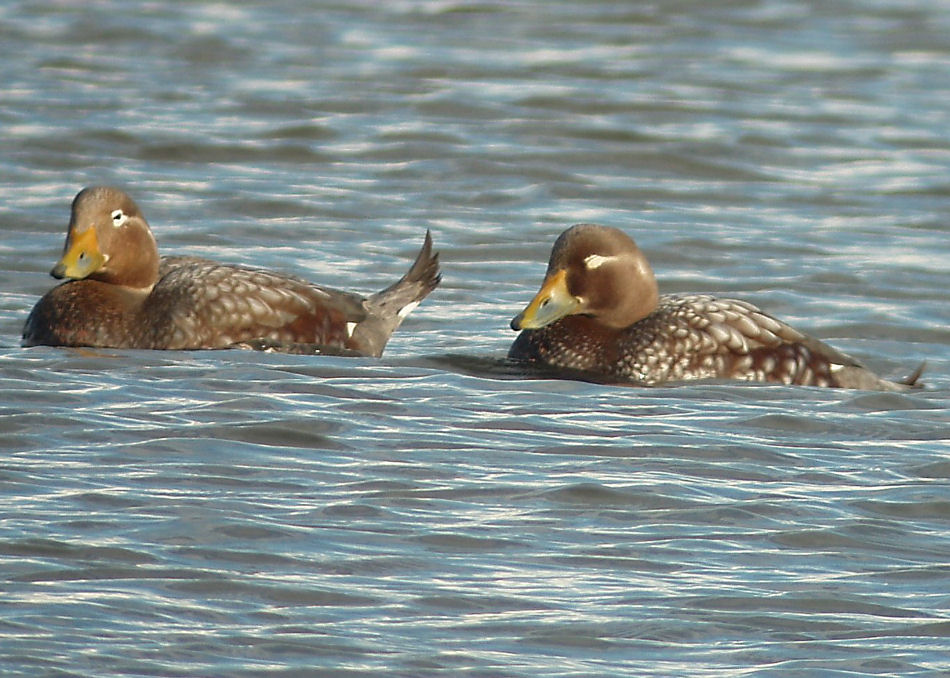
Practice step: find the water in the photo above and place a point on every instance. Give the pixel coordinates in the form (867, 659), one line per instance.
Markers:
(433, 512)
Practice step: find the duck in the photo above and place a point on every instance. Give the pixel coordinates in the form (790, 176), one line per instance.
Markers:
(119, 293)
(599, 314)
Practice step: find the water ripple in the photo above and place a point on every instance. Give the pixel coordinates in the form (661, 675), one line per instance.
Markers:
(441, 510)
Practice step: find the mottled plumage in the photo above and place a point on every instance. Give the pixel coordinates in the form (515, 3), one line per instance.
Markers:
(599, 312)
(123, 295)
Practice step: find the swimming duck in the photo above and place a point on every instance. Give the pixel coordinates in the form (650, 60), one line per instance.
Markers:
(599, 312)
(119, 293)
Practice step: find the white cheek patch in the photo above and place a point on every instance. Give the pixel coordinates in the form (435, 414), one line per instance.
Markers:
(592, 261)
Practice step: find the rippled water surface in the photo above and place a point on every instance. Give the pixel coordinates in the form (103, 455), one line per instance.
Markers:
(435, 512)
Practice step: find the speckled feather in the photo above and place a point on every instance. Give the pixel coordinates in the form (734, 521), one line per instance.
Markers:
(695, 337)
(217, 305)
(133, 299)
(196, 303)
(599, 311)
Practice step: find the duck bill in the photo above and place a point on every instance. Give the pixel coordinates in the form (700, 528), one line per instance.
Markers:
(551, 303)
(82, 257)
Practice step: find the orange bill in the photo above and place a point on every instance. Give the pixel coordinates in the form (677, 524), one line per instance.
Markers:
(82, 256)
(552, 302)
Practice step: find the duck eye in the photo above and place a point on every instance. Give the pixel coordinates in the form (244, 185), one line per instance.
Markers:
(119, 218)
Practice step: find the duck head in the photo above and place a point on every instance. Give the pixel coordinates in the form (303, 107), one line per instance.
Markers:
(595, 271)
(108, 240)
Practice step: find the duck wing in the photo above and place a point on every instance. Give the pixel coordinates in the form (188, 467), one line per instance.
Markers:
(198, 303)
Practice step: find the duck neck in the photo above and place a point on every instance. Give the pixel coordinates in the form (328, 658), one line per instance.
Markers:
(134, 262)
(634, 293)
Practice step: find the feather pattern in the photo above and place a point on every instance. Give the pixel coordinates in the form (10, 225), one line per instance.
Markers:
(131, 298)
(675, 338)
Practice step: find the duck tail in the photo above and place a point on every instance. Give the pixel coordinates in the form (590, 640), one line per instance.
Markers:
(913, 380)
(389, 307)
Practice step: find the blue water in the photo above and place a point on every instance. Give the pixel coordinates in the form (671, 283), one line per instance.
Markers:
(435, 512)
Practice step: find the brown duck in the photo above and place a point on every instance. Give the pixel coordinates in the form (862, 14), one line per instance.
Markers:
(599, 312)
(121, 294)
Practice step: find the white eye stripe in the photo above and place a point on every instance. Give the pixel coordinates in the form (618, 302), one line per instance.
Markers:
(593, 261)
(119, 218)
